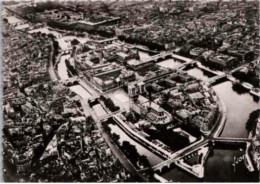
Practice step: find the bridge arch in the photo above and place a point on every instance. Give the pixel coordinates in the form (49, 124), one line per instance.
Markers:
(164, 167)
(168, 57)
(159, 59)
(75, 82)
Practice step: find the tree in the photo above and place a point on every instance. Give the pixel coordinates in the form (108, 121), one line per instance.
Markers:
(5, 20)
(130, 117)
(74, 42)
(50, 35)
(115, 137)
(144, 161)
(252, 120)
(109, 104)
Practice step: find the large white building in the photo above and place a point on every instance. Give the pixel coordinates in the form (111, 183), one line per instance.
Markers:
(151, 111)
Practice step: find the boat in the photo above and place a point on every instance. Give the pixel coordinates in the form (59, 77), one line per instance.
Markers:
(247, 85)
(255, 91)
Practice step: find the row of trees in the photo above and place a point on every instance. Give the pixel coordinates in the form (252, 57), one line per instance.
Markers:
(71, 68)
(176, 141)
(80, 28)
(149, 44)
(129, 150)
(252, 120)
(250, 77)
(109, 103)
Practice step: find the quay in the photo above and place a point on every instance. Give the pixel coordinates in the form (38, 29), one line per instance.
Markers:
(140, 139)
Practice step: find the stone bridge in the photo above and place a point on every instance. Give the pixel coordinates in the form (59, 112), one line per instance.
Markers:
(184, 65)
(216, 78)
(186, 151)
(108, 115)
(159, 57)
(70, 81)
(231, 140)
(168, 163)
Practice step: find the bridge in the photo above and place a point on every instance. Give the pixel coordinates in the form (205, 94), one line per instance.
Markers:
(157, 78)
(216, 78)
(231, 140)
(176, 156)
(197, 146)
(184, 65)
(108, 115)
(158, 57)
(208, 70)
(70, 81)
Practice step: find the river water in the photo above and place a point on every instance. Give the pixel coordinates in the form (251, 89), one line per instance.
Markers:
(143, 55)
(47, 31)
(62, 68)
(79, 90)
(169, 63)
(64, 42)
(239, 107)
(199, 74)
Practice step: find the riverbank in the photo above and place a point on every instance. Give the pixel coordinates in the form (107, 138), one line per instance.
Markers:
(217, 129)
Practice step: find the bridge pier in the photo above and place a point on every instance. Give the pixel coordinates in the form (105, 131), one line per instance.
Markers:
(169, 165)
(160, 170)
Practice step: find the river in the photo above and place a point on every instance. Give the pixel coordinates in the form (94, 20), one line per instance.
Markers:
(218, 168)
(62, 68)
(169, 63)
(64, 42)
(143, 55)
(79, 90)
(47, 31)
(199, 74)
(239, 106)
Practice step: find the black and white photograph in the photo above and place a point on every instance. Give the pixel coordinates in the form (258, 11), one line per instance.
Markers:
(130, 91)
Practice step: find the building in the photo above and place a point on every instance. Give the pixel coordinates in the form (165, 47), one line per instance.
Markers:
(89, 25)
(122, 57)
(196, 51)
(223, 61)
(241, 54)
(256, 145)
(183, 115)
(138, 64)
(151, 111)
(201, 123)
(134, 89)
